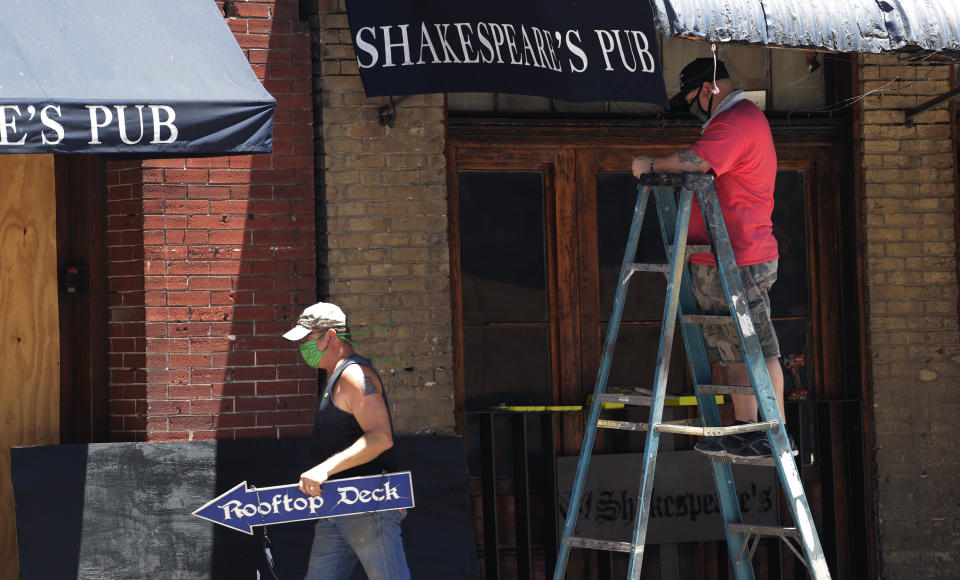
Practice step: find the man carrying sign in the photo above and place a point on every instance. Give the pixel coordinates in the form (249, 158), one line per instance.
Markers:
(352, 434)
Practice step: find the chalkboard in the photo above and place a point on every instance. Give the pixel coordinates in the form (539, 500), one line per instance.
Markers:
(123, 510)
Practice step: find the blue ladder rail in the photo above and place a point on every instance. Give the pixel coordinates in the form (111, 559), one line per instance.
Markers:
(633, 239)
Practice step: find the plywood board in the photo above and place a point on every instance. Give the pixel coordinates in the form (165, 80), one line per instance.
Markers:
(109, 511)
(29, 331)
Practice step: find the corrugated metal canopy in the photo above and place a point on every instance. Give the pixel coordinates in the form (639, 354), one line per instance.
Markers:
(836, 25)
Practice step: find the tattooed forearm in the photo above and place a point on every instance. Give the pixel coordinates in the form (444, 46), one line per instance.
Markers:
(692, 161)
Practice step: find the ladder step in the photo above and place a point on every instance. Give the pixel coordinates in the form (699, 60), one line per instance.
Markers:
(696, 249)
(628, 426)
(621, 425)
(614, 401)
(670, 427)
(638, 400)
(669, 400)
(688, 427)
(665, 268)
(638, 267)
(755, 461)
(726, 390)
(576, 542)
(707, 319)
(779, 531)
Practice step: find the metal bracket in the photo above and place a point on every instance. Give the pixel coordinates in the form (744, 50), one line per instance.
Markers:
(388, 112)
(910, 113)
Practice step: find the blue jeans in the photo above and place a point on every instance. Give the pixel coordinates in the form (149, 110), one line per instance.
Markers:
(373, 539)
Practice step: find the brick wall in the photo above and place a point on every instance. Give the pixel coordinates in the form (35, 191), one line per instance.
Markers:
(912, 326)
(386, 205)
(208, 260)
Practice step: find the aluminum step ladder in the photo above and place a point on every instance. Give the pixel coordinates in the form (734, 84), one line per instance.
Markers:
(742, 537)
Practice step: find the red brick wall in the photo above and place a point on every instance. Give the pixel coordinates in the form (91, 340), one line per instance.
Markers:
(208, 262)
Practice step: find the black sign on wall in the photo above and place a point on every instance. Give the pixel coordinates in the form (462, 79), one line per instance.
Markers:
(574, 50)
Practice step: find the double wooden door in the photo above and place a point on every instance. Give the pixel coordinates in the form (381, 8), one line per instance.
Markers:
(539, 218)
(538, 234)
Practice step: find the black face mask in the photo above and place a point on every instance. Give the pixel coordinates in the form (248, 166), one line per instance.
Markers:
(697, 110)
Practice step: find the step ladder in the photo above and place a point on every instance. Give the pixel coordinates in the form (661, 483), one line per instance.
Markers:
(742, 537)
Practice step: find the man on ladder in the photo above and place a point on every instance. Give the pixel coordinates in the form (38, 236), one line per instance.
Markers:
(737, 147)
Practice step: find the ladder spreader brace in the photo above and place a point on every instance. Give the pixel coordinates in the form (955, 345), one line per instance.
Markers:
(674, 221)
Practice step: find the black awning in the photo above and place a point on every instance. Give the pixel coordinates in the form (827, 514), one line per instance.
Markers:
(127, 76)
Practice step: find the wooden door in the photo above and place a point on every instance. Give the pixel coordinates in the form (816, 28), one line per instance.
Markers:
(81, 249)
(29, 328)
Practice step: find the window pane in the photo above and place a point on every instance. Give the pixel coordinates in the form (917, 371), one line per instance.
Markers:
(794, 338)
(795, 85)
(635, 359)
(506, 365)
(789, 295)
(616, 199)
(502, 253)
(748, 66)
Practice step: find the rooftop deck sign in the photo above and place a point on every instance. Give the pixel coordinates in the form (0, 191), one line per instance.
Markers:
(597, 50)
(243, 507)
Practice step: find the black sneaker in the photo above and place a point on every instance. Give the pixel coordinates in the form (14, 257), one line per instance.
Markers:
(724, 445)
(756, 446)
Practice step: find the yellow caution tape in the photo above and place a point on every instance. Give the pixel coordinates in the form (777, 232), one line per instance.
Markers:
(537, 408)
(688, 401)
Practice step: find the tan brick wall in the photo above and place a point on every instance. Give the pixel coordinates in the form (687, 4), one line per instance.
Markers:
(912, 327)
(386, 205)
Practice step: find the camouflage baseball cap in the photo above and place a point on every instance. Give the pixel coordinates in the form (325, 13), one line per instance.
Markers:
(321, 315)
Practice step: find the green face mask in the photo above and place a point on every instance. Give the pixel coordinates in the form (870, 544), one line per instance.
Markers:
(310, 354)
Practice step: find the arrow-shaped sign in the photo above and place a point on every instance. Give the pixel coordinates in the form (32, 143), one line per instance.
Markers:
(244, 507)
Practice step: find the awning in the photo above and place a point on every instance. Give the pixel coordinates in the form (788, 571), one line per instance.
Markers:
(127, 76)
(836, 25)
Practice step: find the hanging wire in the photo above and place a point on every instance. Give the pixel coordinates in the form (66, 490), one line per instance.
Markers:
(882, 90)
(713, 50)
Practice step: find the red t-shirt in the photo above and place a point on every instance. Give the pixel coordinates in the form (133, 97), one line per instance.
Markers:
(739, 148)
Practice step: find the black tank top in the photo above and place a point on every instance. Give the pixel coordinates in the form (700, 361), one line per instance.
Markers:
(335, 430)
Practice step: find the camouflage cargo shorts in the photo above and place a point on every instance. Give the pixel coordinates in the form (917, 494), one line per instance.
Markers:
(723, 344)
